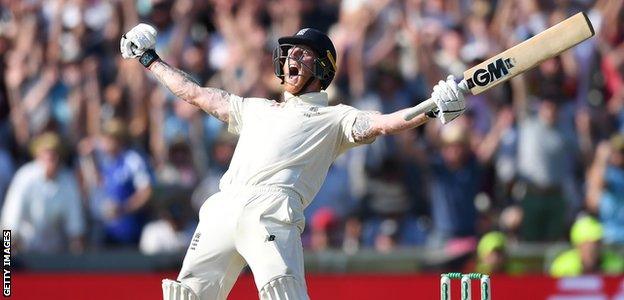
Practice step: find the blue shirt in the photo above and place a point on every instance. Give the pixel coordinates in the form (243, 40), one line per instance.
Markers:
(612, 205)
(452, 198)
(122, 176)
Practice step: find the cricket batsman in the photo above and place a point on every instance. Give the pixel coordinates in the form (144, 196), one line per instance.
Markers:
(284, 151)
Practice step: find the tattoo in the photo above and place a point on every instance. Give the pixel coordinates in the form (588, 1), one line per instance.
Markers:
(221, 103)
(362, 130)
(184, 86)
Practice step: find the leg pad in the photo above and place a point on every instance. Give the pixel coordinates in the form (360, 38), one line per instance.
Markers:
(175, 290)
(284, 288)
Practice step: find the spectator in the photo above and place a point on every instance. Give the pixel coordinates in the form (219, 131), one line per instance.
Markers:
(43, 205)
(335, 193)
(605, 188)
(493, 256)
(171, 233)
(6, 171)
(491, 253)
(222, 152)
(324, 223)
(351, 241)
(588, 255)
(387, 206)
(455, 179)
(179, 169)
(542, 163)
(126, 185)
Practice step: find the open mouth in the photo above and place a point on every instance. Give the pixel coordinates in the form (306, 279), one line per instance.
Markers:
(293, 71)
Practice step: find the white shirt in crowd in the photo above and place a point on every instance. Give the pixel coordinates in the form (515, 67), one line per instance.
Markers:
(289, 144)
(159, 237)
(43, 213)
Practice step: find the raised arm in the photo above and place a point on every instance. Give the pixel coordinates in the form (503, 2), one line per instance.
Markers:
(595, 176)
(139, 43)
(211, 100)
(450, 105)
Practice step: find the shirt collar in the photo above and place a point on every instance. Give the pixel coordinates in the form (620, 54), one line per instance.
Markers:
(313, 98)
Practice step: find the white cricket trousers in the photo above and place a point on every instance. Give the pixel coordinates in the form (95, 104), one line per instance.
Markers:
(259, 226)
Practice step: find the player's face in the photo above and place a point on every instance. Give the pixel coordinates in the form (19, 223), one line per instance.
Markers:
(298, 68)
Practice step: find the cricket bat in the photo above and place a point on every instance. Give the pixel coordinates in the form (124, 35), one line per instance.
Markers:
(519, 58)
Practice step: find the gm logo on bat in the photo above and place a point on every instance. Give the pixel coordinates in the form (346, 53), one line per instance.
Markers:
(495, 70)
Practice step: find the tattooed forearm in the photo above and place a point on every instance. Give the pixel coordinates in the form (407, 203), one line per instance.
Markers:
(363, 130)
(220, 103)
(184, 86)
(177, 81)
(369, 125)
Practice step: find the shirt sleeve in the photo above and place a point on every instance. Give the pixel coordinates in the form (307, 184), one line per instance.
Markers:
(349, 115)
(140, 174)
(12, 211)
(74, 218)
(237, 109)
(240, 107)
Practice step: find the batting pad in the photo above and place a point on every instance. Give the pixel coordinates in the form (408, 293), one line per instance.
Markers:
(283, 288)
(173, 290)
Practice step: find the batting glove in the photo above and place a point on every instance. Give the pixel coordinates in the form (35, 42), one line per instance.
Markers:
(449, 100)
(138, 40)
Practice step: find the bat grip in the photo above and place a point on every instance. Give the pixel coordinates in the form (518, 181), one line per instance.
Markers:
(421, 108)
(429, 104)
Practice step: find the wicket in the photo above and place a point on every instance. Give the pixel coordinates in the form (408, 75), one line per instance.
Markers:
(445, 285)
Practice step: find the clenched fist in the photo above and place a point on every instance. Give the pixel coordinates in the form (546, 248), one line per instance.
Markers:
(138, 40)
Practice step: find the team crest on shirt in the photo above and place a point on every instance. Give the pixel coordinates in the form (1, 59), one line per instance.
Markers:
(312, 111)
(277, 104)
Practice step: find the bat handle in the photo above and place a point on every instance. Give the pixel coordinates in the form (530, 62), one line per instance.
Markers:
(429, 105)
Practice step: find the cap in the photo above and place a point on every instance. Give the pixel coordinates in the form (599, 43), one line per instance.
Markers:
(586, 229)
(491, 241)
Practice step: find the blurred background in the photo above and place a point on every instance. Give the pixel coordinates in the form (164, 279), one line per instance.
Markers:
(103, 171)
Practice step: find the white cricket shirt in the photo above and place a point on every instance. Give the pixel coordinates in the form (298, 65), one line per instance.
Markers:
(289, 144)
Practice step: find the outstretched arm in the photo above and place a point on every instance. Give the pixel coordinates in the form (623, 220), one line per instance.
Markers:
(369, 125)
(450, 105)
(139, 43)
(211, 100)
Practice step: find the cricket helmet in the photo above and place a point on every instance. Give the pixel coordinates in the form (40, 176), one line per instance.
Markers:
(324, 67)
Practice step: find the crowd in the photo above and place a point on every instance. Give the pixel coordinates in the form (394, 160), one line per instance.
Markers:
(95, 154)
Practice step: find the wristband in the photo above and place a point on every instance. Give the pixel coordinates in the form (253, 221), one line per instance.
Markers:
(432, 113)
(148, 57)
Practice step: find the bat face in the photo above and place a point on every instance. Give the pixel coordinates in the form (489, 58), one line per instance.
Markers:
(513, 61)
(492, 72)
